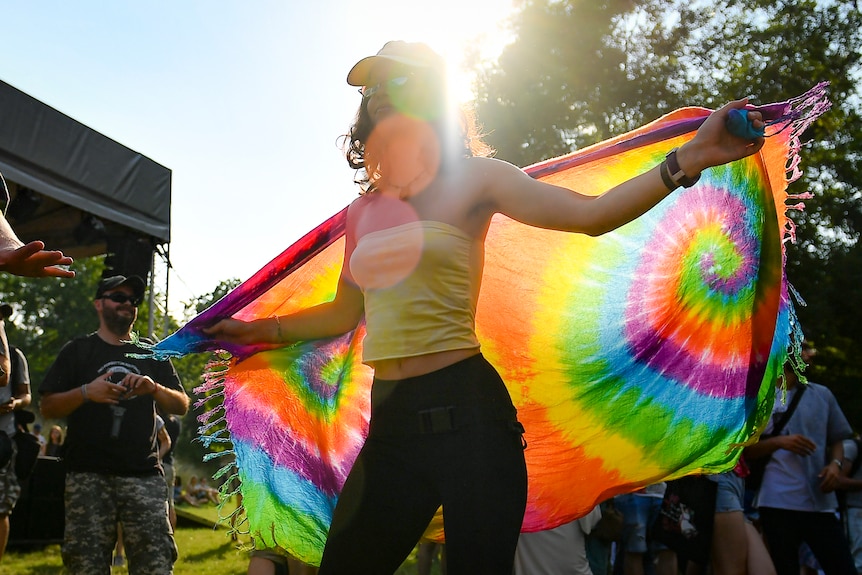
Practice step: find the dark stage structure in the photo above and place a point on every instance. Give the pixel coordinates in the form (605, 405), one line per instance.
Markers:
(85, 194)
(78, 190)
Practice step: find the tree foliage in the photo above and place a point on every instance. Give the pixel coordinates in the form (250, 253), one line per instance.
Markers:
(576, 74)
(49, 312)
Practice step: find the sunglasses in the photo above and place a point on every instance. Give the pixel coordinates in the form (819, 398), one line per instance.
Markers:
(118, 297)
(391, 84)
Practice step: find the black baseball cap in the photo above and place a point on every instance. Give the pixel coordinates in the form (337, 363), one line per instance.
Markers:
(113, 282)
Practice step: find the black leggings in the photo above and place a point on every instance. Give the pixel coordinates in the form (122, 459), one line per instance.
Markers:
(447, 438)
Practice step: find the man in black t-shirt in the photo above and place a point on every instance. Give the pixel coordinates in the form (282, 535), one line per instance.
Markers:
(109, 400)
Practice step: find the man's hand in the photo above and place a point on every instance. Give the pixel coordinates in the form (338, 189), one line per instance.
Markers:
(102, 390)
(136, 385)
(829, 477)
(798, 444)
(32, 260)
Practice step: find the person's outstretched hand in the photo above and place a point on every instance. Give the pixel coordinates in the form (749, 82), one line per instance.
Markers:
(714, 145)
(32, 260)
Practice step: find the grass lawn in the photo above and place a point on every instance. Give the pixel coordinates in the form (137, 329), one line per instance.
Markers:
(202, 550)
(207, 550)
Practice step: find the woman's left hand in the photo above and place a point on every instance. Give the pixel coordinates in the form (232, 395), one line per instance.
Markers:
(714, 145)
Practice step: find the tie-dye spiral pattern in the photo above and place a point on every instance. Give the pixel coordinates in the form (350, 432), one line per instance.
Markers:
(642, 355)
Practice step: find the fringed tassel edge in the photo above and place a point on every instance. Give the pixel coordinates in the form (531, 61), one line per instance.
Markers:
(800, 113)
(212, 388)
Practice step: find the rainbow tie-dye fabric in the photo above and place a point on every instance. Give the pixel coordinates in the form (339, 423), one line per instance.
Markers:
(639, 356)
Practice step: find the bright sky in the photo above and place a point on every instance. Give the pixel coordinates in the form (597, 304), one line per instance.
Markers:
(243, 101)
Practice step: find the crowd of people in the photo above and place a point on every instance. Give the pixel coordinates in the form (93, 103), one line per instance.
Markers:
(427, 206)
(196, 492)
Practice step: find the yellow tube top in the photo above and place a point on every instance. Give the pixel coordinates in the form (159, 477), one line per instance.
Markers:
(420, 282)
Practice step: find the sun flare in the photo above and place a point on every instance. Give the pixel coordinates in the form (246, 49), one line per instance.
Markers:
(455, 29)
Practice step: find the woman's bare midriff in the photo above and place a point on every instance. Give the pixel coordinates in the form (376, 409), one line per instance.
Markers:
(404, 367)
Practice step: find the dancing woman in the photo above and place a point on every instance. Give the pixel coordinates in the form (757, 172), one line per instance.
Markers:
(443, 429)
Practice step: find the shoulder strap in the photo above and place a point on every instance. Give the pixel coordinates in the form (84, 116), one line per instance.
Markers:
(782, 421)
(785, 417)
(858, 461)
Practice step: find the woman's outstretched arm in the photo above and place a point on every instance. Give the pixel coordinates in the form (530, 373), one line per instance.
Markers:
(325, 320)
(510, 191)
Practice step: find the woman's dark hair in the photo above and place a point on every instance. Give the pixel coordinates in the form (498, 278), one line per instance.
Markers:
(457, 130)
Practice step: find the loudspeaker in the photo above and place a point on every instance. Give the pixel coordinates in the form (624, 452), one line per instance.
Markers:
(39, 515)
(129, 255)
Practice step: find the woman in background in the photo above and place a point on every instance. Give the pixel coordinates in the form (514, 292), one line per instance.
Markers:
(54, 446)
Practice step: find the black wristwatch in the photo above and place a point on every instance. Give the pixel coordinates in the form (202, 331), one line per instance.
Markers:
(676, 174)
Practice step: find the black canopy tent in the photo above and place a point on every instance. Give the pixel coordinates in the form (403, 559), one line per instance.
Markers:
(78, 190)
(85, 194)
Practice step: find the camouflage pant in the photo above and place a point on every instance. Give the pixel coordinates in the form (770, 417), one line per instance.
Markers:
(96, 503)
(170, 476)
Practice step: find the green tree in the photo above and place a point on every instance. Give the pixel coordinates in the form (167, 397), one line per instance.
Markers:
(49, 312)
(577, 73)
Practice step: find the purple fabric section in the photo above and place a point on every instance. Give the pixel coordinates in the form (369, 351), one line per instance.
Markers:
(669, 130)
(310, 366)
(728, 285)
(741, 235)
(252, 428)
